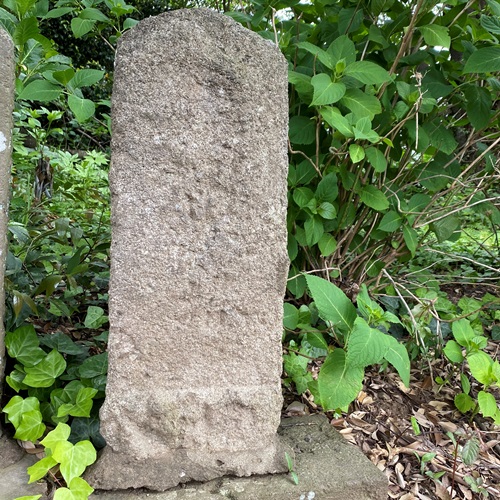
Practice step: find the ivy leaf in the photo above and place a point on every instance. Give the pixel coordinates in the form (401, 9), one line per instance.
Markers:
(367, 72)
(486, 60)
(373, 198)
(40, 468)
(397, 356)
(338, 382)
(17, 406)
(74, 459)
(59, 435)
(435, 35)
(94, 366)
(78, 489)
(82, 405)
(326, 91)
(95, 317)
(23, 344)
(361, 104)
(30, 427)
(44, 373)
(62, 343)
(332, 304)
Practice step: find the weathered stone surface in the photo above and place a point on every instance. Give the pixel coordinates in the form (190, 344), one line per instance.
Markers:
(199, 261)
(6, 106)
(328, 467)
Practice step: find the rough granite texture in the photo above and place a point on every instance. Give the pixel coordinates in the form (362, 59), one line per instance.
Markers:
(198, 256)
(328, 467)
(7, 73)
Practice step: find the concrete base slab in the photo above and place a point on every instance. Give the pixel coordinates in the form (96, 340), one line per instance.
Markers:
(13, 476)
(328, 467)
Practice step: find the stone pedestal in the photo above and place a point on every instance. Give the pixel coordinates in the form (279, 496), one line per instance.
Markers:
(7, 72)
(198, 255)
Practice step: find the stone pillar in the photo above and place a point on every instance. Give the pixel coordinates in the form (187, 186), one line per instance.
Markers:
(198, 255)
(7, 73)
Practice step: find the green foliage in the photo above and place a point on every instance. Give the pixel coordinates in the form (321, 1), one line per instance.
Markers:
(467, 345)
(363, 340)
(375, 96)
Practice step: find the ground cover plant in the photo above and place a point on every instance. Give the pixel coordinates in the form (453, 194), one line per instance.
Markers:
(393, 221)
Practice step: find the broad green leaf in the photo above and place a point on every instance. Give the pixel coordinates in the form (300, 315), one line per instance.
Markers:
(391, 222)
(302, 84)
(361, 104)
(302, 130)
(342, 48)
(64, 76)
(44, 373)
(363, 130)
(435, 35)
(486, 60)
(327, 210)
(418, 202)
(94, 366)
(445, 228)
(327, 244)
(48, 285)
(59, 12)
(327, 189)
(356, 153)
(338, 382)
(376, 159)
(81, 27)
(40, 90)
(321, 54)
(332, 304)
(23, 344)
(478, 106)
(83, 109)
(491, 24)
(453, 352)
(23, 6)
(480, 365)
(78, 489)
(367, 72)
(334, 119)
(366, 346)
(411, 239)
(290, 316)
(397, 356)
(86, 78)
(314, 343)
(40, 468)
(326, 91)
(91, 13)
(464, 402)
(302, 196)
(487, 404)
(463, 332)
(27, 28)
(373, 197)
(314, 229)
